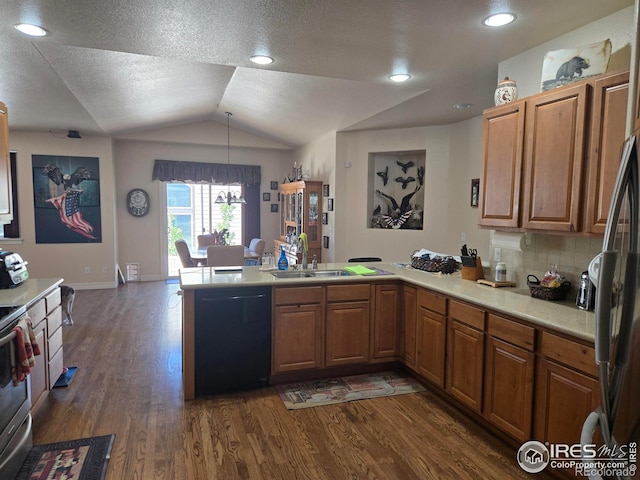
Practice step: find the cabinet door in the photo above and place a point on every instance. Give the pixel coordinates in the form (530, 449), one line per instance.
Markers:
(431, 333)
(347, 333)
(554, 157)
(298, 338)
(508, 388)
(608, 123)
(385, 342)
(563, 400)
(409, 314)
(465, 359)
(38, 376)
(502, 149)
(5, 165)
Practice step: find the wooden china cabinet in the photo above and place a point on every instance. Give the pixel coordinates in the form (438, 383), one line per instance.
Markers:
(300, 212)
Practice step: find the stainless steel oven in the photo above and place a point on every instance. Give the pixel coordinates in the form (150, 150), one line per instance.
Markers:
(15, 419)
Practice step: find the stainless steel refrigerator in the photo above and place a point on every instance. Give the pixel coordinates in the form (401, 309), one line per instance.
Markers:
(610, 433)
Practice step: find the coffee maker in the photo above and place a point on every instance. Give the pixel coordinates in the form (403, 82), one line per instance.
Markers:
(586, 298)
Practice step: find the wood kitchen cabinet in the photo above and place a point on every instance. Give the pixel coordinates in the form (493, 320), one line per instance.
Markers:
(39, 373)
(298, 329)
(465, 354)
(509, 376)
(431, 336)
(608, 132)
(55, 351)
(347, 324)
(502, 150)
(5, 167)
(385, 336)
(409, 318)
(300, 212)
(566, 389)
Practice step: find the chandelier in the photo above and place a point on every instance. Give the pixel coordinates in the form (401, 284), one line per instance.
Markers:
(228, 197)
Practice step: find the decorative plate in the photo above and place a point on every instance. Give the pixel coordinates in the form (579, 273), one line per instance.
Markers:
(138, 202)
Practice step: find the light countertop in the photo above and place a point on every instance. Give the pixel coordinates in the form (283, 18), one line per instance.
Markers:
(561, 316)
(28, 291)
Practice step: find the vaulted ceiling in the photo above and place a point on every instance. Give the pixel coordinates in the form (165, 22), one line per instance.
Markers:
(115, 67)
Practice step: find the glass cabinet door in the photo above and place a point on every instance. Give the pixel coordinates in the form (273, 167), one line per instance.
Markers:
(282, 227)
(287, 205)
(294, 210)
(300, 212)
(312, 231)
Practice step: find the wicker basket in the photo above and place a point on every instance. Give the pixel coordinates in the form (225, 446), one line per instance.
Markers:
(435, 264)
(547, 293)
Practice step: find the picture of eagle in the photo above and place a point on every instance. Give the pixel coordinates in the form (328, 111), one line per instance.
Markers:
(67, 181)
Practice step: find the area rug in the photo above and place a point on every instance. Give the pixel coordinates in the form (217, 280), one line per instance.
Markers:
(84, 459)
(315, 393)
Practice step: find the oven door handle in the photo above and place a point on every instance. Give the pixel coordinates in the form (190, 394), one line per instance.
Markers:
(7, 338)
(25, 438)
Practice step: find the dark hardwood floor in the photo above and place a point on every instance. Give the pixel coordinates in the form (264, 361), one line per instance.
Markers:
(126, 343)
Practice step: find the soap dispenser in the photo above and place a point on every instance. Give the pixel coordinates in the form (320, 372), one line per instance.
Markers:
(283, 263)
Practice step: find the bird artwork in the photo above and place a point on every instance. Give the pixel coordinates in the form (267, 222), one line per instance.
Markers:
(377, 210)
(421, 175)
(384, 175)
(397, 222)
(405, 181)
(68, 203)
(405, 166)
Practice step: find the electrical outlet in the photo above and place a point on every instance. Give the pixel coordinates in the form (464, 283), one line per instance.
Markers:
(497, 254)
(87, 270)
(463, 237)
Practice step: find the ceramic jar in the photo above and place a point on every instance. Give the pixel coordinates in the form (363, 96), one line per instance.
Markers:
(506, 92)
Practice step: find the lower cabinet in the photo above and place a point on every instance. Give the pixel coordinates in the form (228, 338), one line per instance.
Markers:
(347, 324)
(409, 325)
(38, 377)
(432, 334)
(465, 354)
(386, 338)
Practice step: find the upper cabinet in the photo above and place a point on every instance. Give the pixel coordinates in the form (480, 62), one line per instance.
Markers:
(5, 170)
(550, 160)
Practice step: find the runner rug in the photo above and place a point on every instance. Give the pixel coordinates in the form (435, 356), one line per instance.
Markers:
(84, 459)
(316, 393)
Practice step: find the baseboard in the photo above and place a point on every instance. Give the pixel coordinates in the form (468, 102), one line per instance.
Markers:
(92, 286)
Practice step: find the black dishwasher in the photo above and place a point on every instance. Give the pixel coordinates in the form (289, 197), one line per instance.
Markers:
(232, 339)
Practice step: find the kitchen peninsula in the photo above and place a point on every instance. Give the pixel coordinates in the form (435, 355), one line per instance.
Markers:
(511, 361)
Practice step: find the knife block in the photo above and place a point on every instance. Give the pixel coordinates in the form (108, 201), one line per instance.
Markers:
(473, 273)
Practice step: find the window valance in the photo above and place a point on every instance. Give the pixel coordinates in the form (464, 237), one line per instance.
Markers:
(177, 171)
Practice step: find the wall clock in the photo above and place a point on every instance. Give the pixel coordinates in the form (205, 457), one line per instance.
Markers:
(138, 202)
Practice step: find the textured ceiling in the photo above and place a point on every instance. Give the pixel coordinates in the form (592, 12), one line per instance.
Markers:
(112, 67)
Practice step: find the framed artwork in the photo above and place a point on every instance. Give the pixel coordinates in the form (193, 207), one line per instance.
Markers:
(475, 191)
(274, 207)
(330, 204)
(325, 190)
(266, 197)
(325, 241)
(274, 185)
(562, 67)
(325, 218)
(66, 199)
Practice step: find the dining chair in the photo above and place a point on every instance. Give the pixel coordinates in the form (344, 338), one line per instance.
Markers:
(225, 255)
(185, 254)
(205, 240)
(255, 248)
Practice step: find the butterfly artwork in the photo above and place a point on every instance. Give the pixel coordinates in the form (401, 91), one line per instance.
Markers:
(405, 166)
(405, 181)
(396, 222)
(384, 175)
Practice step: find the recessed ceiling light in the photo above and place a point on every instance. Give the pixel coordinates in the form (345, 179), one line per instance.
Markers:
(399, 77)
(499, 19)
(31, 30)
(462, 106)
(261, 59)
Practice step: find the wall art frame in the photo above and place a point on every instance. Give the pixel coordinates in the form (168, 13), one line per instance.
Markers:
(266, 197)
(475, 191)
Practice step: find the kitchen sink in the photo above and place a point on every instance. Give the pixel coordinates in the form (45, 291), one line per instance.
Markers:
(310, 273)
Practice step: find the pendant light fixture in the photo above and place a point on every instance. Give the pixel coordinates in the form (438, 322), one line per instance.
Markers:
(228, 198)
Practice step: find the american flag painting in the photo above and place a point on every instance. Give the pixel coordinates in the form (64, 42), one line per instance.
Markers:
(67, 199)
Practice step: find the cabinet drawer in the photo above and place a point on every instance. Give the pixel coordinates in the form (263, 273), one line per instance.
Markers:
(348, 293)
(512, 332)
(432, 301)
(56, 364)
(54, 320)
(55, 343)
(472, 316)
(570, 353)
(297, 295)
(53, 299)
(37, 312)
